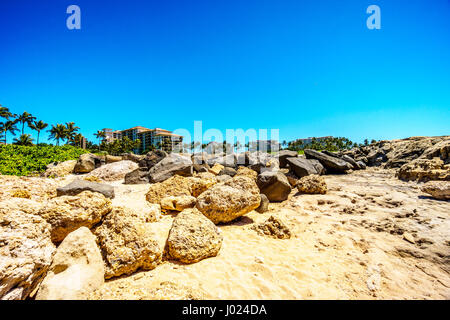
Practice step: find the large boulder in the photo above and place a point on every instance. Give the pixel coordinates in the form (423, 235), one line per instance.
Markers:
(171, 165)
(61, 169)
(318, 166)
(229, 200)
(68, 213)
(332, 164)
(228, 160)
(284, 155)
(312, 184)
(193, 237)
(246, 172)
(437, 189)
(216, 169)
(301, 167)
(132, 157)
(152, 158)
(137, 176)
(87, 162)
(350, 160)
(77, 186)
(423, 170)
(114, 171)
(111, 159)
(77, 269)
(26, 248)
(228, 171)
(174, 186)
(199, 184)
(274, 185)
(127, 242)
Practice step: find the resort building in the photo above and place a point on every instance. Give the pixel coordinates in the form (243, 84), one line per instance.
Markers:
(150, 138)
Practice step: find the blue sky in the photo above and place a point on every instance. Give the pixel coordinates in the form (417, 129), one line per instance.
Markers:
(307, 68)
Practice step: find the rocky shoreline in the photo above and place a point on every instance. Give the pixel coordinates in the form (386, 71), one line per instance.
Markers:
(371, 222)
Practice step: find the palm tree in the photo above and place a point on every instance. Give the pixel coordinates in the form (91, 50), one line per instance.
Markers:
(25, 118)
(100, 135)
(58, 132)
(8, 126)
(78, 139)
(24, 140)
(5, 113)
(71, 130)
(38, 126)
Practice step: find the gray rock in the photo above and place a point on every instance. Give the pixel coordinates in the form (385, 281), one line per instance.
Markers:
(77, 186)
(283, 155)
(301, 167)
(351, 161)
(88, 162)
(361, 165)
(152, 158)
(138, 176)
(332, 164)
(132, 157)
(227, 160)
(264, 205)
(228, 171)
(274, 185)
(169, 166)
(319, 167)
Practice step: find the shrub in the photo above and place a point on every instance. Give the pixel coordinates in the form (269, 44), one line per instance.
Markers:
(24, 160)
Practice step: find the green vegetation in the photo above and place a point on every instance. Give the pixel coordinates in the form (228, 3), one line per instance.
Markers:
(24, 160)
(119, 146)
(329, 144)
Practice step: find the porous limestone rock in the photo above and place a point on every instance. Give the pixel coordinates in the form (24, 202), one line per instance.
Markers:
(423, 170)
(127, 242)
(178, 203)
(193, 237)
(26, 248)
(437, 189)
(114, 171)
(273, 227)
(61, 169)
(312, 184)
(174, 186)
(77, 186)
(216, 168)
(77, 269)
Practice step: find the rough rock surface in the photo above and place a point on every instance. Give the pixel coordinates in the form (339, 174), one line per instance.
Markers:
(273, 227)
(193, 237)
(77, 186)
(68, 213)
(26, 248)
(216, 168)
(127, 242)
(264, 205)
(423, 170)
(274, 185)
(230, 200)
(111, 159)
(301, 167)
(332, 164)
(114, 171)
(283, 155)
(171, 165)
(178, 203)
(247, 172)
(350, 160)
(174, 186)
(201, 183)
(61, 169)
(137, 176)
(312, 184)
(86, 163)
(438, 189)
(152, 158)
(76, 271)
(228, 171)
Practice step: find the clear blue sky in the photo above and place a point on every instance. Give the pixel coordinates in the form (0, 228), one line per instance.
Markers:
(308, 68)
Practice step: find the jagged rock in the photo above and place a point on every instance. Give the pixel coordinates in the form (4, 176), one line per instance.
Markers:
(68, 213)
(77, 269)
(228, 160)
(87, 162)
(137, 176)
(440, 149)
(132, 157)
(174, 186)
(230, 200)
(114, 171)
(330, 163)
(178, 203)
(301, 167)
(273, 227)
(223, 178)
(274, 185)
(216, 168)
(193, 237)
(262, 161)
(361, 165)
(152, 158)
(199, 184)
(127, 242)
(437, 189)
(204, 167)
(292, 178)
(422, 170)
(112, 159)
(26, 248)
(171, 165)
(55, 170)
(318, 166)
(283, 155)
(228, 171)
(77, 186)
(312, 184)
(264, 205)
(350, 160)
